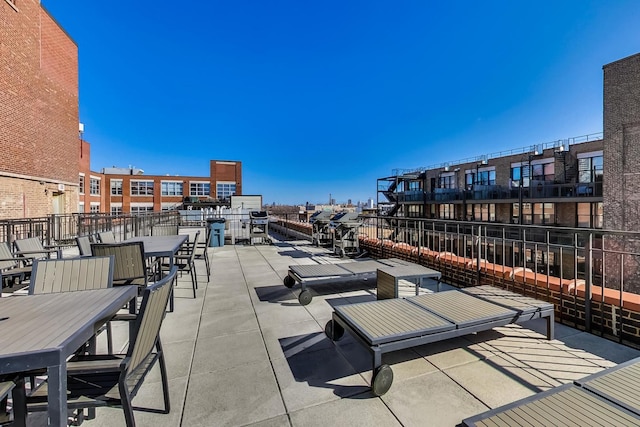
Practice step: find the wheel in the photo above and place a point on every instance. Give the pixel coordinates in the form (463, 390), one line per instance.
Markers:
(305, 297)
(333, 330)
(342, 253)
(382, 379)
(289, 281)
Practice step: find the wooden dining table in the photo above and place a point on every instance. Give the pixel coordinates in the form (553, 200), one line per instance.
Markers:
(162, 247)
(42, 331)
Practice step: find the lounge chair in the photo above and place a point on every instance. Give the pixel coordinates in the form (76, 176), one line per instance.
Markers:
(394, 324)
(114, 379)
(562, 406)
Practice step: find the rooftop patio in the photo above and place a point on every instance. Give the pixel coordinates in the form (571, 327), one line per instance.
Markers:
(245, 352)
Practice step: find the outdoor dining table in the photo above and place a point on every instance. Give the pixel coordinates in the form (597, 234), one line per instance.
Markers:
(42, 331)
(162, 247)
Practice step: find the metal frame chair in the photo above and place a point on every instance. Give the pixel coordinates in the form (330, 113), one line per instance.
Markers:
(33, 248)
(164, 230)
(185, 260)
(84, 245)
(107, 237)
(114, 379)
(10, 265)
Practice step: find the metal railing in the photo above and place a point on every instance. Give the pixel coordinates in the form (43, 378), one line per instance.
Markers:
(63, 229)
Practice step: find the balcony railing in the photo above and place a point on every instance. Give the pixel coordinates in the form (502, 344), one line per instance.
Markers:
(537, 190)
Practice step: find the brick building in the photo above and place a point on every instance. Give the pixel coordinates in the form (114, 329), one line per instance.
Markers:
(127, 190)
(45, 168)
(587, 181)
(38, 113)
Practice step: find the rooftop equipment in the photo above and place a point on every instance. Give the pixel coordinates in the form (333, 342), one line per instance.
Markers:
(345, 227)
(320, 232)
(259, 226)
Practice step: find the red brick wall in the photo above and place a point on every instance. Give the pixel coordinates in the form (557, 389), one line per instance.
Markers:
(38, 103)
(230, 171)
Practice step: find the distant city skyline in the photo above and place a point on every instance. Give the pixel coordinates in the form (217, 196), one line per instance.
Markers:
(319, 98)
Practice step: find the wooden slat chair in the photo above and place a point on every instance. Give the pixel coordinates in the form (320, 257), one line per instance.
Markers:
(185, 260)
(73, 274)
(130, 267)
(33, 248)
(12, 268)
(84, 245)
(114, 379)
(164, 230)
(107, 237)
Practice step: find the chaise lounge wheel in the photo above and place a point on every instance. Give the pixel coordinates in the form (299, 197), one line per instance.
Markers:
(305, 297)
(333, 330)
(382, 380)
(289, 281)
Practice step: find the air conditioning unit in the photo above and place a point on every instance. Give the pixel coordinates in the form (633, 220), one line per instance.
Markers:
(61, 188)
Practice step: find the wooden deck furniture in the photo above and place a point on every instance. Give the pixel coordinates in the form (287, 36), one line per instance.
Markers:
(42, 331)
(394, 324)
(114, 379)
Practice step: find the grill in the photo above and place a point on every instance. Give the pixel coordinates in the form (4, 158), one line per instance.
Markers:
(320, 232)
(259, 227)
(345, 227)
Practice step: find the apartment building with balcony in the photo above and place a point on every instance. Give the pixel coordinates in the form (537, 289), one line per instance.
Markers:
(587, 181)
(559, 183)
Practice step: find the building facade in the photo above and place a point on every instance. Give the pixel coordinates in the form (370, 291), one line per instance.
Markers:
(589, 181)
(38, 113)
(128, 191)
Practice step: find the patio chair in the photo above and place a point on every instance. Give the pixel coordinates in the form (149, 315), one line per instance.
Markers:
(84, 245)
(107, 237)
(164, 230)
(130, 266)
(14, 387)
(114, 379)
(12, 268)
(185, 261)
(201, 247)
(33, 248)
(73, 274)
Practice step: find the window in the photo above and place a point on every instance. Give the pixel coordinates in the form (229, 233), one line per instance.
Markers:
(142, 188)
(590, 169)
(116, 187)
(469, 179)
(81, 207)
(225, 190)
(81, 184)
(116, 210)
(448, 181)
(544, 213)
(94, 208)
(520, 175)
(447, 211)
(94, 186)
(590, 215)
(543, 172)
(527, 217)
(414, 211)
(485, 212)
(141, 209)
(169, 188)
(199, 189)
(486, 178)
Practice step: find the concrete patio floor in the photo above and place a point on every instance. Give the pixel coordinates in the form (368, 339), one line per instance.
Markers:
(244, 352)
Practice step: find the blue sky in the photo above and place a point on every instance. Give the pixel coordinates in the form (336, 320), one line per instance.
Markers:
(319, 98)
